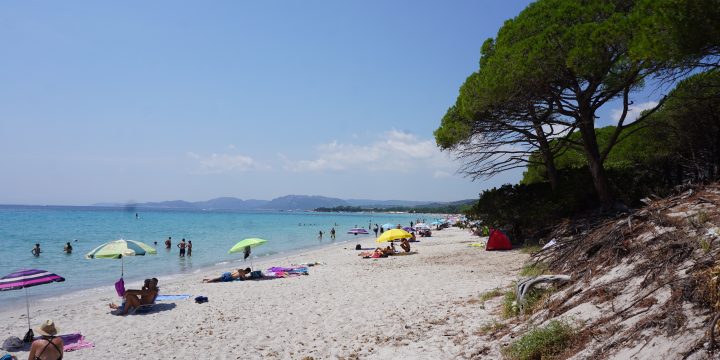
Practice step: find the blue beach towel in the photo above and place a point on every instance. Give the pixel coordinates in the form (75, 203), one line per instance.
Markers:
(172, 297)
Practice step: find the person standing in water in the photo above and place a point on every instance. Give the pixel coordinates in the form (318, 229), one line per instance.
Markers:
(320, 234)
(332, 233)
(36, 250)
(68, 248)
(189, 248)
(182, 246)
(168, 242)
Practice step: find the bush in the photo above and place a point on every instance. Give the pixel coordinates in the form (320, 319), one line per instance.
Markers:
(542, 343)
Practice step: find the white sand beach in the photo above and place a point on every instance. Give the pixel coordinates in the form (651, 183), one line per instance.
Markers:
(419, 306)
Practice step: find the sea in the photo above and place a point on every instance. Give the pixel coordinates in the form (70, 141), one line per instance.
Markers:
(212, 233)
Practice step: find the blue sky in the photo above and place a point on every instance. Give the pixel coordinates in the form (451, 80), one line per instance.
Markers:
(162, 100)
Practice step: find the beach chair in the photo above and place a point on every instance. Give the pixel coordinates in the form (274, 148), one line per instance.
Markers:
(145, 307)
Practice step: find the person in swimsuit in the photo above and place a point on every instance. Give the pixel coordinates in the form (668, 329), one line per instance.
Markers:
(135, 298)
(168, 242)
(68, 248)
(238, 274)
(48, 347)
(189, 248)
(36, 250)
(182, 246)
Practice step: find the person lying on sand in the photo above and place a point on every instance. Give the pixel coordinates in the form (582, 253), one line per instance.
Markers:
(135, 298)
(238, 274)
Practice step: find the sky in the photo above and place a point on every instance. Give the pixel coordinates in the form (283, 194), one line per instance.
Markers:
(164, 100)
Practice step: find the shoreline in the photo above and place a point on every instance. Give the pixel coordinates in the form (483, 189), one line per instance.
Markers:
(19, 303)
(423, 306)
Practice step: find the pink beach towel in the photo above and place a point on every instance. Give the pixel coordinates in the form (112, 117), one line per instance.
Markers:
(74, 341)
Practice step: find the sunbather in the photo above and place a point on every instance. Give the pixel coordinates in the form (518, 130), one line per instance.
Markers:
(48, 346)
(135, 298)
(238, 274)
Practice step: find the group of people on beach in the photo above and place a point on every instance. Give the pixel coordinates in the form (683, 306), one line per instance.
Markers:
(387, 251)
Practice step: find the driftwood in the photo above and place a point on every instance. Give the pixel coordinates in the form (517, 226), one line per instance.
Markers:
(524, 286)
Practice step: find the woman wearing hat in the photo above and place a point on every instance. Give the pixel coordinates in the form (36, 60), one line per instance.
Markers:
(48, 347)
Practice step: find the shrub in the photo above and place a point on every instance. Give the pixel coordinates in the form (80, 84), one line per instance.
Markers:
(542, 343)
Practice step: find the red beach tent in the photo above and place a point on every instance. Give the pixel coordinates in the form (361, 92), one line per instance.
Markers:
(498, 241)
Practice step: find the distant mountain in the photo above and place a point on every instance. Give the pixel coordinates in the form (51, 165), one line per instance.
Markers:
(226, 203)
(384, 203)
(289, 202)
(303, 202)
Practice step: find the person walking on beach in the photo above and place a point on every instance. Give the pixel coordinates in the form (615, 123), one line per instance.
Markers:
(332, 233)
(168, 242)
(182, 246)
(320, 234)
(68, 248)
(375, 229)
(189, 248)
(36, 250)
(411, 223)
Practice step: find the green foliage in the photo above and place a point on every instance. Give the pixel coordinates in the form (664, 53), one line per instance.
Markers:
(542, 343)
(637, 148)
(490, 294)
(676, 33)
(524, 211)
(510, 307)
(534, 269)
(453, 129)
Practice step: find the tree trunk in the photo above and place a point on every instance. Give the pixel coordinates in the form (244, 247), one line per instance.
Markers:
(547, 155)
(592, 154)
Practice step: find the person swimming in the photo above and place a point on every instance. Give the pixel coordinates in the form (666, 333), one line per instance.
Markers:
(36, 250)
(68, 248)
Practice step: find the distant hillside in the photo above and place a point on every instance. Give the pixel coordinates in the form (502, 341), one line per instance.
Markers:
(289, 202)
(383, 203)
(302, 202)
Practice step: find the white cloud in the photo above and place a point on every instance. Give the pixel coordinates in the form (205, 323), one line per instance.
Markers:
(439, 174)
(222, 163)
(395, 150)
(634, 111)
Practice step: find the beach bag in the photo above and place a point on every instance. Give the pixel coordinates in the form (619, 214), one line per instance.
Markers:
(256, 274)
(120, 287)
(12, 343)
(6, 357)
(358, 247)
(29, 336)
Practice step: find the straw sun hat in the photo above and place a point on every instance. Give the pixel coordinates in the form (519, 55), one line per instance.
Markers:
(47, 328)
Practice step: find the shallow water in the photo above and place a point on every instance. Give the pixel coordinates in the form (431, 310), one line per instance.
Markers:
(212, 233)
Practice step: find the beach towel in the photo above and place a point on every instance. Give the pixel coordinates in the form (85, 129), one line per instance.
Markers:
(73, 342)
(172, 297)
(281, 272)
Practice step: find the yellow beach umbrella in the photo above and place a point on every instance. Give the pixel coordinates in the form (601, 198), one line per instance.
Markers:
(394, 234)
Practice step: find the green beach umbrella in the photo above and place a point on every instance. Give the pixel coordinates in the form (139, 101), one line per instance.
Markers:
(119, 249)
(245, 245)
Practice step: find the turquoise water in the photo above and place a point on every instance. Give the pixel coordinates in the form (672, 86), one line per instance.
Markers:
(212, 233)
